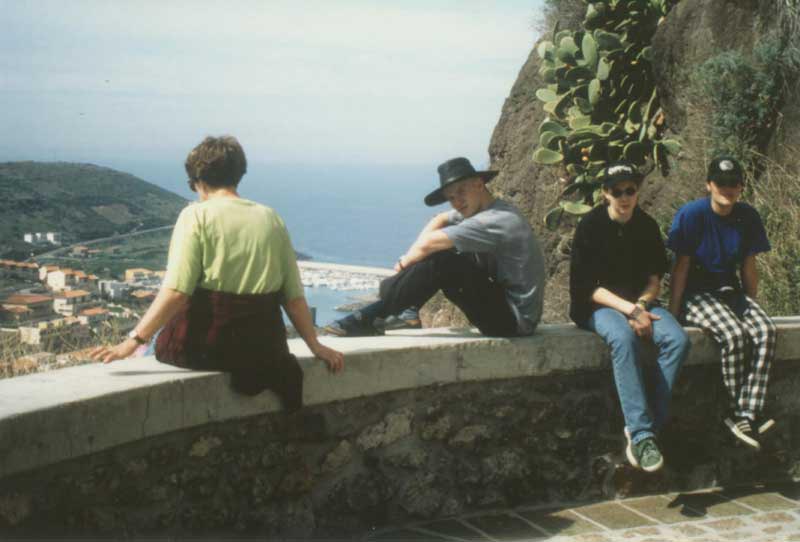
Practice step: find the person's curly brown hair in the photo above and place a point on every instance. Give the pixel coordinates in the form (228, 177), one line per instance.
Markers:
(217, 161)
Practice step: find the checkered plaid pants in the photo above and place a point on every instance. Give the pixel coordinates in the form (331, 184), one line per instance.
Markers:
(747, 345)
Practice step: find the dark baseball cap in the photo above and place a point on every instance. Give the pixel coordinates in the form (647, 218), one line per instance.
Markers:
(620, 171)
(725, 171)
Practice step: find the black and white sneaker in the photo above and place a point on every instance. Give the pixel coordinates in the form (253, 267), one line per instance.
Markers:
(743, 430)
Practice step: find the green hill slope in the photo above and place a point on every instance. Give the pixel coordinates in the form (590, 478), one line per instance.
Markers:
(83, 201)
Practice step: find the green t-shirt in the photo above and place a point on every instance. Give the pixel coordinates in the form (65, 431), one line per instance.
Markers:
(232, 245)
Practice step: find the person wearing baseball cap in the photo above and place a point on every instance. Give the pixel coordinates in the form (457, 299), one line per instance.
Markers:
(714, 286)
(616, 266)
(483, 255)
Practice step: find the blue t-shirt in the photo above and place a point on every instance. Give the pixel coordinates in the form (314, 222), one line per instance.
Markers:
(717, 244)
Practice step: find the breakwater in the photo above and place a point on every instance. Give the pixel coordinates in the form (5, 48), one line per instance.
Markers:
(341, 277)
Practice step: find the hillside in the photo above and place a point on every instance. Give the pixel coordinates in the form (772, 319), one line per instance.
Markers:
(83, 201)
(752, 104)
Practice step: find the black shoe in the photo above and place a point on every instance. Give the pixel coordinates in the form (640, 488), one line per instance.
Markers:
(399, 322)
(743, 430)
(353, 325)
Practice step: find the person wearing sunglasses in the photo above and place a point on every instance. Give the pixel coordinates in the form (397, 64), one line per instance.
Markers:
(714, 238)
(231, 267)
(617, 263)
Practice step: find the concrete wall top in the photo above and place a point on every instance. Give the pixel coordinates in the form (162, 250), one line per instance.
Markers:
(63, 414)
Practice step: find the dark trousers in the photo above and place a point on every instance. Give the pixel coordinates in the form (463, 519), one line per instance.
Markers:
(461, 280)
(238, 333)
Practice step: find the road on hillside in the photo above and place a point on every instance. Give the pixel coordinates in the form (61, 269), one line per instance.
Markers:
(54, 252)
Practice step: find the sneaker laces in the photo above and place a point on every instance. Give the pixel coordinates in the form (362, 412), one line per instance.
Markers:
(649, 450)
(743, 425)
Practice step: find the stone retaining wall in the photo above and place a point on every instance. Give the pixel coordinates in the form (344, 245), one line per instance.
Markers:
(448, 425)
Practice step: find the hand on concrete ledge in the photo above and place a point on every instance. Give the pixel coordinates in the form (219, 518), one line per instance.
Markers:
(166, 305)
(297, 310)
(333, 358)
(107, 354)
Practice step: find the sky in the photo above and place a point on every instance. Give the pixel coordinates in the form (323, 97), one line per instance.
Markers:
(312, 82)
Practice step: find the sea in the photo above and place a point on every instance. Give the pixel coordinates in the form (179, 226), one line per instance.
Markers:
(348, 214)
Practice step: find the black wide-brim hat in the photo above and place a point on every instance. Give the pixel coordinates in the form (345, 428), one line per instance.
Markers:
(452, 171)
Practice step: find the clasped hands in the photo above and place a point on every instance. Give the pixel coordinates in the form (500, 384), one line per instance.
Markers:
(642, 323)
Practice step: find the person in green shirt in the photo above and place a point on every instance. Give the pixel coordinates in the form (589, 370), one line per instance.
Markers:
(225, 243)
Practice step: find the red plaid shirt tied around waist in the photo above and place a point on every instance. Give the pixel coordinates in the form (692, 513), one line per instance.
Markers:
(242, 334)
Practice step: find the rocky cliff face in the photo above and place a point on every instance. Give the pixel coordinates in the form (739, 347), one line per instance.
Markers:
(694, 31)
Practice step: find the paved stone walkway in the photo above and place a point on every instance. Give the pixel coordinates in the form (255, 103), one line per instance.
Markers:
(753, 515)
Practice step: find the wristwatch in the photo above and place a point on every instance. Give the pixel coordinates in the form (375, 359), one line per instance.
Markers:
(637, 310)
(642, 302)
(135, 336)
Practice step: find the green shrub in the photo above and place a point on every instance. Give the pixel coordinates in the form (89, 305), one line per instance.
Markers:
(746, 94)
(776, 195)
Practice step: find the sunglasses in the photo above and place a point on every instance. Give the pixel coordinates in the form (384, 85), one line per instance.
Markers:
(728, 183)
(191, 182)
(617, 193)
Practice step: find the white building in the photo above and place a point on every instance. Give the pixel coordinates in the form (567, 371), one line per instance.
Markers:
(52, 237)
(53, 332)
(73, 302)
(46, 270)
(61, 279)
(113, 289)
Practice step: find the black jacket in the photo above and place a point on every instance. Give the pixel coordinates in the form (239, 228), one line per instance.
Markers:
(618, 257)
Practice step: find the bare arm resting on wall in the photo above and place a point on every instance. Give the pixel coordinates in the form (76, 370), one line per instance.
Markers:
(166, 305)
(750, 276)
(298, 312)
(680, 274)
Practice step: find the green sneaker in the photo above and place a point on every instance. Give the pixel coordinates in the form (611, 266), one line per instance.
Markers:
(648, 455)
(629, 449)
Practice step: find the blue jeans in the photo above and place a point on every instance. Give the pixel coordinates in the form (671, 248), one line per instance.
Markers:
(643, 418)
(151, 346)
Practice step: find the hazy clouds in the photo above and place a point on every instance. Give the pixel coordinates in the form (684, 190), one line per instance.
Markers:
(343, 81)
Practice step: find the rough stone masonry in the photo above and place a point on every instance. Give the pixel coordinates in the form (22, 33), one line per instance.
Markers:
(347, 467)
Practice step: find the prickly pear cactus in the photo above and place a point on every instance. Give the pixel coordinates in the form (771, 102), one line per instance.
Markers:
(601, 99)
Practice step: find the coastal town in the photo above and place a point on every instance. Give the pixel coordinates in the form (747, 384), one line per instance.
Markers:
(51, 314)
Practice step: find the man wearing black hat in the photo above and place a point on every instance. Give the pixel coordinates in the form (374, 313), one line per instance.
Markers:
(713, 238)
(482, 255)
